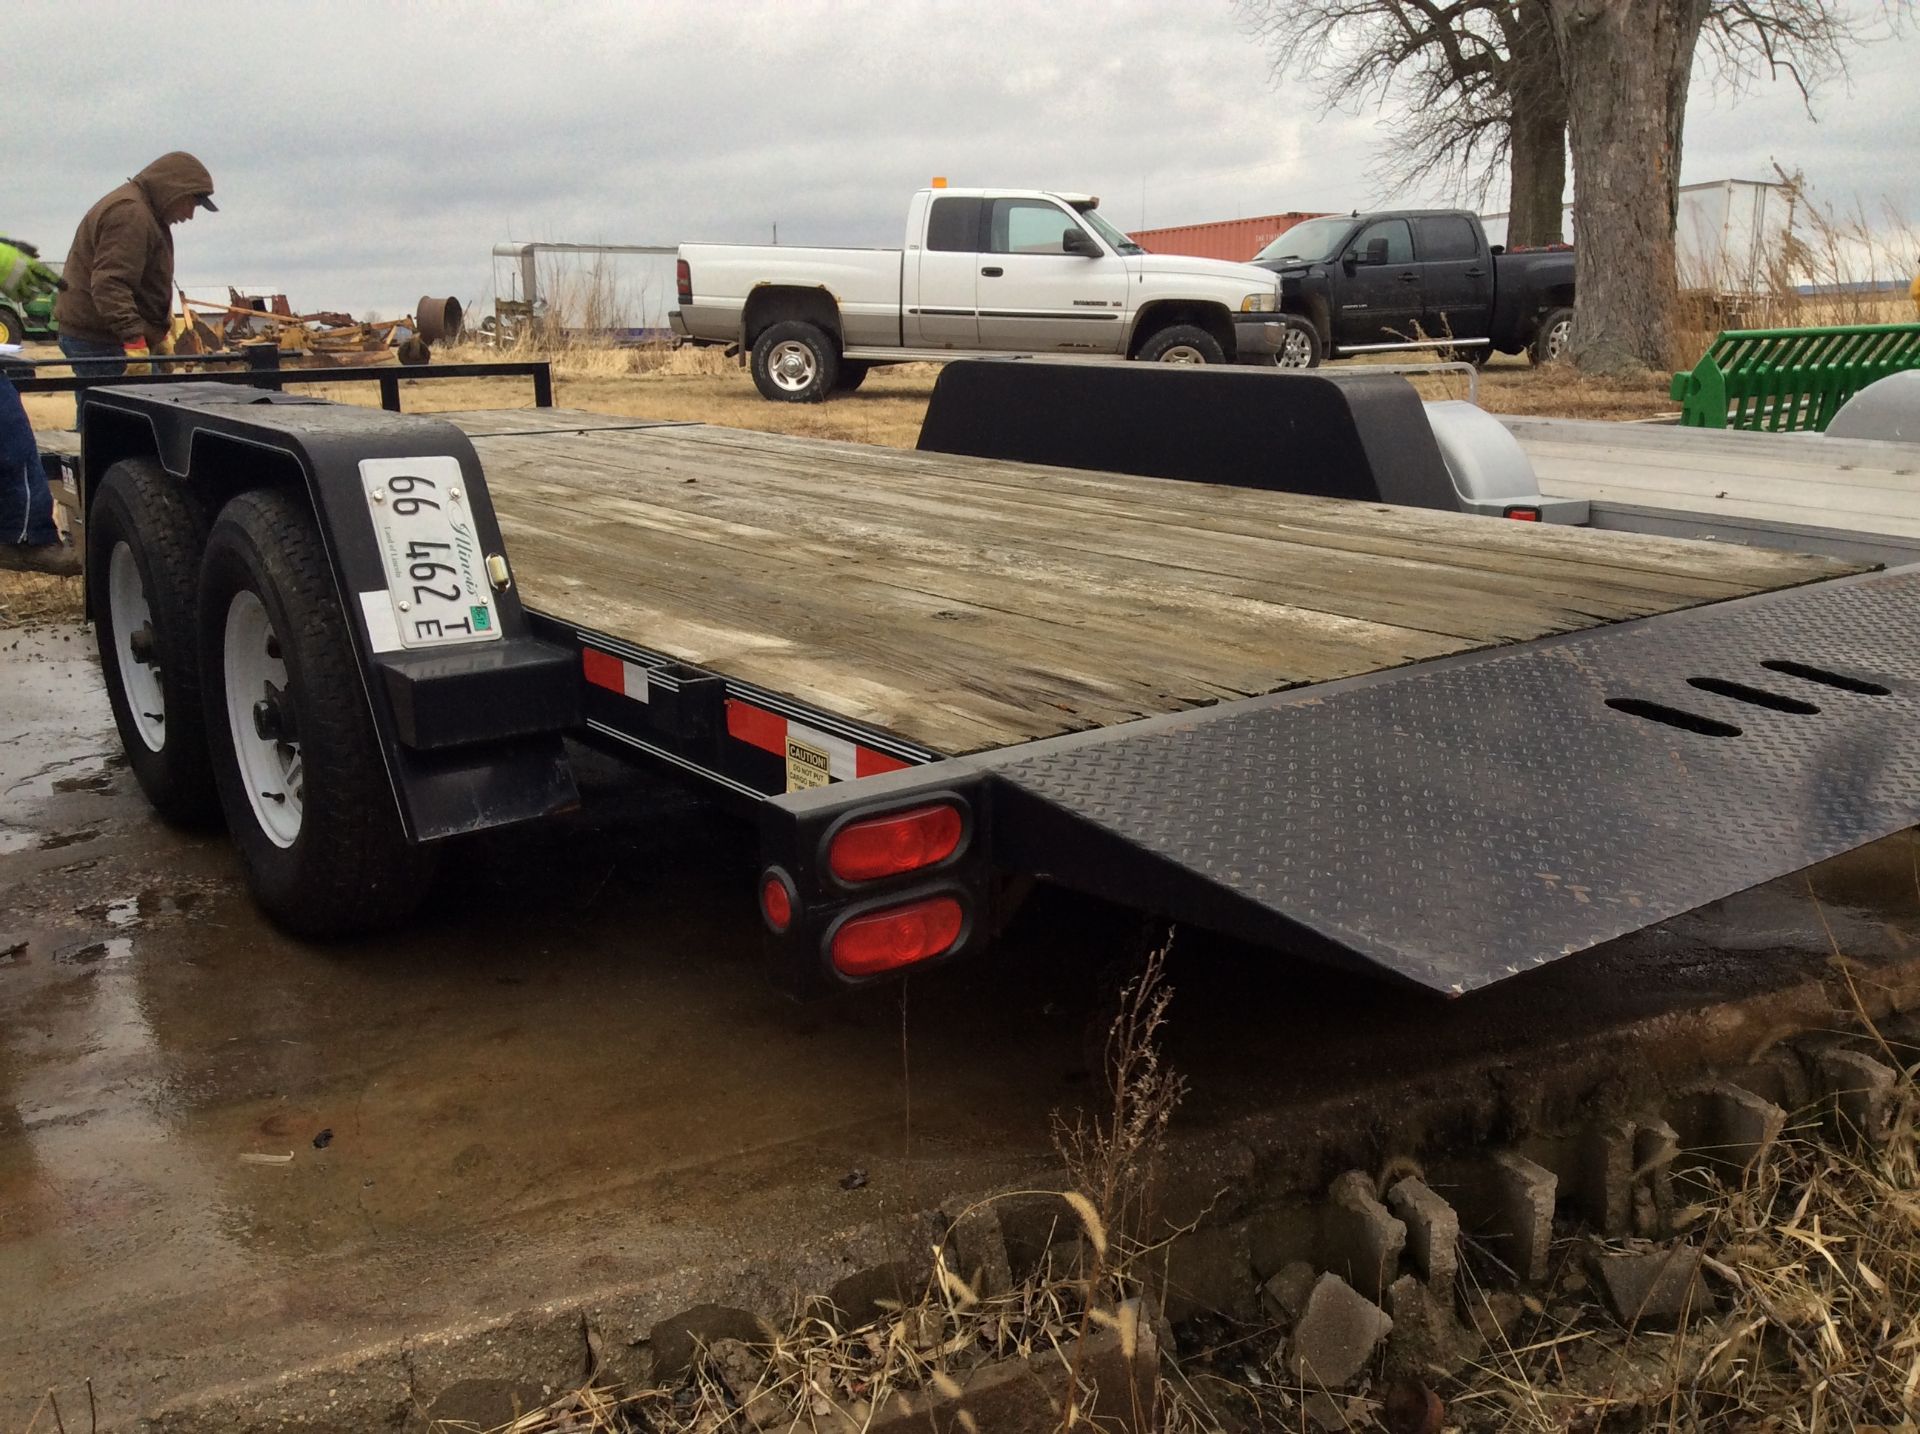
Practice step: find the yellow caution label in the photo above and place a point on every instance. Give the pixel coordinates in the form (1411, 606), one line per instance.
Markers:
(807, 766)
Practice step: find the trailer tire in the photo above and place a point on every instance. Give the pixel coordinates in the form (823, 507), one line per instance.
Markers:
(1182, 343)
(13, 327)
(1553, 338)
(795, 362)
(853, 373)
(145, 532)
(297, 760)
(1300, 345)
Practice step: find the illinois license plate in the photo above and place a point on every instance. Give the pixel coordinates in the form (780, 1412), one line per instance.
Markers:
(436, 572)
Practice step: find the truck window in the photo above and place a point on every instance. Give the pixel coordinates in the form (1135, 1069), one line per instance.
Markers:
(1398, 236)
(1027, 226)
(954, 225)
(1447, 236)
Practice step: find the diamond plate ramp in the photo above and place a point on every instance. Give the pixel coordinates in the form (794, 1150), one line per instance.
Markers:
(1461, 821)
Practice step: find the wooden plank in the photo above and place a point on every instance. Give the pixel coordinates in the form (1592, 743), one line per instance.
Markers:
(477, 422)
(964, 603)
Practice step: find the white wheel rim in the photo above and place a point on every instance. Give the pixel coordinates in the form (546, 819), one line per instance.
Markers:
(1296, 350)
(1183, 353)
(254, 674)
(791, 365)
(132, 621)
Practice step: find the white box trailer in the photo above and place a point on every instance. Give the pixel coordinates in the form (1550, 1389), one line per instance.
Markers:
(1731, 234)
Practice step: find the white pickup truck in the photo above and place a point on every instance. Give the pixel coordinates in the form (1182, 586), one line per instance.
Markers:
(995, 271)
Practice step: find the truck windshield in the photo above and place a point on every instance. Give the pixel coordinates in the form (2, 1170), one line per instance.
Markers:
(1308, 242)
(1121, 244)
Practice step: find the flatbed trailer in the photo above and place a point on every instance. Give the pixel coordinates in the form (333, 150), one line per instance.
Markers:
(1437, 747)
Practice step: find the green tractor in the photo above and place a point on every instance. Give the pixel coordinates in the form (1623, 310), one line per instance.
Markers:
(27, 320)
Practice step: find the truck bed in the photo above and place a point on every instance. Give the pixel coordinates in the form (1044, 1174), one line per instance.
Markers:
(964, 604)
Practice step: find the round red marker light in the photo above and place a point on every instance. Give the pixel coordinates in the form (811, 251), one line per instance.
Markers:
(776, 904)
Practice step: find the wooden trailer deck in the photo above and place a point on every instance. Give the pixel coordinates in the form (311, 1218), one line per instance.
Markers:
(963, 603)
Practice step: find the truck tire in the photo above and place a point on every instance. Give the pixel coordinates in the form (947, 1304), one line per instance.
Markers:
(795, 362)
(1300, 346)
(853, 373)
(144, 536)
(1182, 343)
(1553, 338)
(295, 753)
(13, 326)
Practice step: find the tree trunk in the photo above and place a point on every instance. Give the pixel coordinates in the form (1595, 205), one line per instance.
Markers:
(1537, 130)
(1626, 64)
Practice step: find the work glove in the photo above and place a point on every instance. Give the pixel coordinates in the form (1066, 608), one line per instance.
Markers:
(137, 354)
(22, 275)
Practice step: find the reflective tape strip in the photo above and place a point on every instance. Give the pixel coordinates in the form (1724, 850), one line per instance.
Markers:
(615, 674)
(769, 731)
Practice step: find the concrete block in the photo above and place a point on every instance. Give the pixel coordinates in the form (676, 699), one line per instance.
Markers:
(1653, 1286)
(1858, 1091)
(1512, 1210)
(1361, 1239)
(1119, 1366)
(1656, 1145)
(1285, 1295)
(1433, 1232)
(1604, 1193)
(975, 1247)
(1337, 1334)
(1210, 1271)
(865, 1295)
(1743, 1126)
(1427, 1337)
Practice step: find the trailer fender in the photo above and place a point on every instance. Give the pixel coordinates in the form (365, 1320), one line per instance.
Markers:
(469, 729)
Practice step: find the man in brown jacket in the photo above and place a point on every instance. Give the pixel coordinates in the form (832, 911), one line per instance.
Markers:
(119, 273)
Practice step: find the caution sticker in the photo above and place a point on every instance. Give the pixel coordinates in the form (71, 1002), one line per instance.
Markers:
(807, 766)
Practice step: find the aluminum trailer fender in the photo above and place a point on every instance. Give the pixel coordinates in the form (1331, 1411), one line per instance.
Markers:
(1449, 824)
(469, 732)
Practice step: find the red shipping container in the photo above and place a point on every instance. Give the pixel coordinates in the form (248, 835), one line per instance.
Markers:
(1234, 239)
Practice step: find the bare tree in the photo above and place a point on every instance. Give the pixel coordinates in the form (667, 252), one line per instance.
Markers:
(1477, 83)
(1483, 84)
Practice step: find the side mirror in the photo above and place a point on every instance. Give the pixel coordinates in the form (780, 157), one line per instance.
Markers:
(1376, 251)
(1350, 260)
(1075, 240)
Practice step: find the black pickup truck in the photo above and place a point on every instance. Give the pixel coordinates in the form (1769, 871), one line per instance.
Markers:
(1416, 279)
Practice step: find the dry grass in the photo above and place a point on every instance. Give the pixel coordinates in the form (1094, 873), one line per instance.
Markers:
(28, 599)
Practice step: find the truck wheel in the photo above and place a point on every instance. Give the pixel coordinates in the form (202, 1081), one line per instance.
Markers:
(1182, 343)
(853, 373)
(795, 362)
(1299, 346)
(13, 328)
(144, 536)
(295, 754)
(1554, 338)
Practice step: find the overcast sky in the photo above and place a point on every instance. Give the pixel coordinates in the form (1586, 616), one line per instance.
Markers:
(366, 153)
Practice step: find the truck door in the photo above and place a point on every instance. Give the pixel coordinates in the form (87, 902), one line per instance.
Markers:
(1038, 296)
(941, 311)
(1456, 276)
(1379, 290)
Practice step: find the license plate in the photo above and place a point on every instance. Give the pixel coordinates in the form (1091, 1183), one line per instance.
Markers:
(436, 572)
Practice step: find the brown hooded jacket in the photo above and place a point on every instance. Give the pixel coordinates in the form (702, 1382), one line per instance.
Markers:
(119, 272)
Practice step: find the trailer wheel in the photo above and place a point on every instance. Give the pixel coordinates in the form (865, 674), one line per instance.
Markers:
(853, 373)
(144, 536)
(1299, 346)
(1182, 343)
(13, 328)
(296, 757)
(1554, 338)
(795, 362)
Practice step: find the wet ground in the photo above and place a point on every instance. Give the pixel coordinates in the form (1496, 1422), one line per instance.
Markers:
(224, 1153)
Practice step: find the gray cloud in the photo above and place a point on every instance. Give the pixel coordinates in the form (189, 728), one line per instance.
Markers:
(365, 153)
